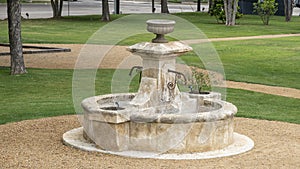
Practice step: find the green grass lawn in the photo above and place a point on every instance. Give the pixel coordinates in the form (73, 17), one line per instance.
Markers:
(40, 93)
(248, 25)
(264, 61)
(45, 93)
(69, 30)
(270, 61)
(264, 106)
(77, 29)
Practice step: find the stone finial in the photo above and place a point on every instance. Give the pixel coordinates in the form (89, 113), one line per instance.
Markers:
(160, 27)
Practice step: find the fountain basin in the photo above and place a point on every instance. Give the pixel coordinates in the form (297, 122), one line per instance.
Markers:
(205, 127)
(159, 120)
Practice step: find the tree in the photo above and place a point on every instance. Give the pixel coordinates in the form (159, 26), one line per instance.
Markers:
(230, 7)
(57, 6)
(164, 6)
(265, 9)
(288, 9)
(15, 41)
(218, 10)
(105, 11)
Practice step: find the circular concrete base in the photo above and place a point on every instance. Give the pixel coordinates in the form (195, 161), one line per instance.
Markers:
(241, 144)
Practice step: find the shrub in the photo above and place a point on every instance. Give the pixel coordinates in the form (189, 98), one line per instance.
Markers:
(265, 9)
(217, 10)
(199, 80)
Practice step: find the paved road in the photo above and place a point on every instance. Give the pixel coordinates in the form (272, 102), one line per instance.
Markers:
(88, 7)
(43, 10)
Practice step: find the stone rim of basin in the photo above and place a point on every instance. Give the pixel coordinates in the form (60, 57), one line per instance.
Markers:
(160, 22)
(224, 110)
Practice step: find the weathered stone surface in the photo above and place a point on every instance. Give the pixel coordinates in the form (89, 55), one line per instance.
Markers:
(159, 118)
(158, 59)
(159, 50)
(149, 130)
(161, 137)
(107, 136)
(211, 95)
(172, 137)
(142, 136)
(94, 108)
(159, 26)
(146, 97)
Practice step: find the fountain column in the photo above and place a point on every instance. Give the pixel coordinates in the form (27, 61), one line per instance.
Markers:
(158, 85)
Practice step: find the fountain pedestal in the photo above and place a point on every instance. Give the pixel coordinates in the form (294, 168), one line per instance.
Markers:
(158, 85)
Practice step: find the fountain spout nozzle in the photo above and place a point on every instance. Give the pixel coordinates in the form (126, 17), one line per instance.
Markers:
(179, 74)
(117, 105)
(138, 68)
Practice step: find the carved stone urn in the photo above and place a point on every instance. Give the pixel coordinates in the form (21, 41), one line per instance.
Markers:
(160, 27)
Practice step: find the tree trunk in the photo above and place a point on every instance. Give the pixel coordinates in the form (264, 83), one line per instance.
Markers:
(60, 7)
(57, 6)
(288, 9)
(105, 11)
(15, 41)
(230, 7)
(235, 7)
(198, 5)
(164, 6)
(53, 8)
(210, 5)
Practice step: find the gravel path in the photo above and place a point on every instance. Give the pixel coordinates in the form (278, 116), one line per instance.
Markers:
(195, 41)
(280, 91)
(38, 144)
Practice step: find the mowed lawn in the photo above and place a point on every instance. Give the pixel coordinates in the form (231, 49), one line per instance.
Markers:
(274, 62)
(46, 92)
(78, 29)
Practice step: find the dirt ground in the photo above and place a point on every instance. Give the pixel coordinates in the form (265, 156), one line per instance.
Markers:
(68, 60)
(38, 143)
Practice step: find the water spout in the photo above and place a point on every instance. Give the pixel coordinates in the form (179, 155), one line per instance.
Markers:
(138, 68)
(191, 88)
(117, 105)
(179, 74)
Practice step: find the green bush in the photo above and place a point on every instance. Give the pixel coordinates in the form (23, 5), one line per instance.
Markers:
(217, 10)
(265, 9)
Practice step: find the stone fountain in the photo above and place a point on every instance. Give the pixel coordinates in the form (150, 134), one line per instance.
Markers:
(159, 119)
